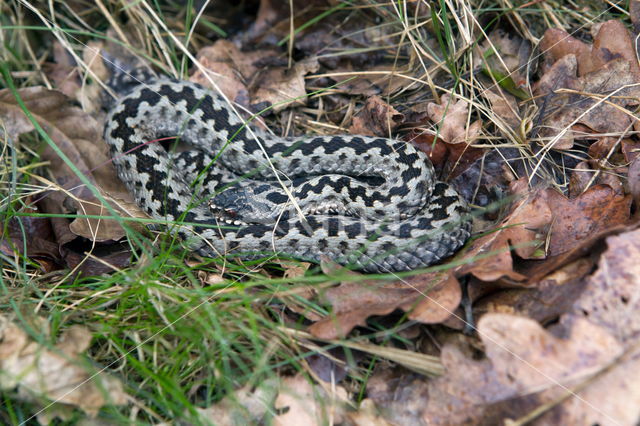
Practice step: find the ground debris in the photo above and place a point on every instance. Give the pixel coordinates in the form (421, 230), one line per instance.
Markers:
(534, 321)
(57, 373)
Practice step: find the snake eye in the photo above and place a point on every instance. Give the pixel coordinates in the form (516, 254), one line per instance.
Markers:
(230, 212)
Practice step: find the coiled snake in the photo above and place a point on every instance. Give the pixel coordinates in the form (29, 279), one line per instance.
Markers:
(371, 203)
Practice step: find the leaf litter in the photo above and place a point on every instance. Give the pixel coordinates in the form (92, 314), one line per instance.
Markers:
(548, 283)
(77, 135)
(55, 377)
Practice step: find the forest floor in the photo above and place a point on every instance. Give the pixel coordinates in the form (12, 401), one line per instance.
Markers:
(528, 108)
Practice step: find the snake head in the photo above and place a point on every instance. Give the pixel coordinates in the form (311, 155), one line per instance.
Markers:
(241, 205)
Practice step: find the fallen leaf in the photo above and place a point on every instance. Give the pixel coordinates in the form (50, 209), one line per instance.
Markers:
(505, 106)
(320, 33)
(610, 41)
(544, 300)
(524, 367)
(108, 258)
(244, 78)
(229, 68)
(294, 269)
(507, 58)
(461, 395)
(377, 118)
(634, 180)
(78, 136)
(612, 297)
(380, 80)
(399, 395)
(450, 160)
(557, 43)
(587, 359)
(55, 373)
(64, 71)
(32, 236)
(612, 398)
(451, 117)
(584, 104)
(588, 248)
(281, 88)
(634, 14)
(602, 148)
(273, 16)
(91, 94)
(607, 70)
(333, 365)
(367, 415)
(583, 177)
(588, 173)
(630, 149)
(429, 298)
(523, 231)
(609, 303)
(597, 209)
(302, 403)
(244, 406)
(533, 359)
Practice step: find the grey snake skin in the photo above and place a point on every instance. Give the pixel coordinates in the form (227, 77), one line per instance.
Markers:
(370, 203)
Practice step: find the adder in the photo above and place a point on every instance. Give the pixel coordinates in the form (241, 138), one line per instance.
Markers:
(368, 202)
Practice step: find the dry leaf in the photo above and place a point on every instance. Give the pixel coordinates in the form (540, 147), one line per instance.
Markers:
(78, 136)
(533, 359)
(611, 41)
(545, 300)
(524, 367)
(377, 118)
(244, 407)
(557, 43)
(584, 104)
(505, 106)
(522, 231)
(294, 269)
(429, 298)
(57, 374)
(281, 87)
(592, 212)
(612, 297)
(90, 94)
(609, 302)
(611, 399)
(33, 234)
(507, 54)
(367, 415)
(229, 68)
(274, 16)
(450, 118)
(608, 70)
(302, 403)
(399, 395)
(63, 71)
(634, 180)
(383, 80)
(241, 77)
(630, 148)
(461, 395)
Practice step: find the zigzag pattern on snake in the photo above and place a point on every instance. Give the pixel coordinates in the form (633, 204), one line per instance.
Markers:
(371, 203)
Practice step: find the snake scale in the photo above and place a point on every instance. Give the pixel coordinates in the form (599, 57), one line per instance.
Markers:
(370, 203)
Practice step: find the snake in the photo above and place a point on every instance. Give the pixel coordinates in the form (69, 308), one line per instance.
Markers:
(226, 188)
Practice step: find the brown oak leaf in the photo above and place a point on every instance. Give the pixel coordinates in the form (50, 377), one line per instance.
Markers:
(451, 118)
(429, 298)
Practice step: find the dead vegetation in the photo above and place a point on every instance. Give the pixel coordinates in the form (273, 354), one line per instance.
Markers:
(530, 110)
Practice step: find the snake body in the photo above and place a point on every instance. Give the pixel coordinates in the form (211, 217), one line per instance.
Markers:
(371, 203)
